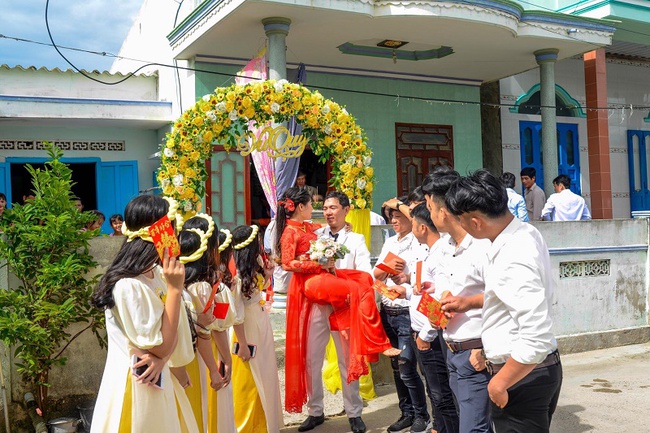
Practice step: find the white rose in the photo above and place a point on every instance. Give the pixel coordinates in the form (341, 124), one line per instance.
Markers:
(211, 115)
(316, 256)
(361, 184)
(165, 183)
(326, 109)
(275, 107)
(367, 161)
(188, 206)
(329, 254)
(345, 111)
(233, 115)
(327, 129)
(221, 107)
(206, 98)
(278, 85)
(352, 160)
(168, 152)
(199, 139)
(178, 180)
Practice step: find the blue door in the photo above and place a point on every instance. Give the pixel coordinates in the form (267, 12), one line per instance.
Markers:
(568, 150)
(117, 184)
(638, 144)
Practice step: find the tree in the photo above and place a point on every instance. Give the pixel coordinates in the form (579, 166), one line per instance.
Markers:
(47, 251)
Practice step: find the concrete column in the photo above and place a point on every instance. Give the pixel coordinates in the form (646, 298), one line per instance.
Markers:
(277, 29)
(600, 177)
(546, 60)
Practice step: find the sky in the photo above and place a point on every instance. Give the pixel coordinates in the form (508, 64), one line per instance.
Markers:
(96, 25)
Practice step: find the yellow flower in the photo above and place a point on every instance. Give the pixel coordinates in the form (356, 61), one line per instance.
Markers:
(170, 143)
(369, 171)
(195, 156)
(345, 167)
(190, 173)
(369, 187)
(172, 170)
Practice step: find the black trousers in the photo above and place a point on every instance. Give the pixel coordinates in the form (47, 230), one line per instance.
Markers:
(531, 403)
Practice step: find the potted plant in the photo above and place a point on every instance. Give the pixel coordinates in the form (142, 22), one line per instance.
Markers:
(47, 250)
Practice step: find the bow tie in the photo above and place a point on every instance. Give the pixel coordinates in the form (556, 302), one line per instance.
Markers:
(335, 236)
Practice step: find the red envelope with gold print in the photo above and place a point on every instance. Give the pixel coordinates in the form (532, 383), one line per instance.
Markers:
(431, 308)
(163, 235)
(382, 288)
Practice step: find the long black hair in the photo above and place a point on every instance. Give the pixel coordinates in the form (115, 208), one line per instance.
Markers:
(246, 259)
(223, 272)
(297, 196)
(135, 257)
(211, 257)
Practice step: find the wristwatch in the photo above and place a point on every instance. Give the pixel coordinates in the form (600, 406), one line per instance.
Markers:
(399, 203)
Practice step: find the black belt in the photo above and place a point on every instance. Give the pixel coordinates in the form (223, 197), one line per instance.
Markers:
(395, 311)
(457, 346)
(552, 359)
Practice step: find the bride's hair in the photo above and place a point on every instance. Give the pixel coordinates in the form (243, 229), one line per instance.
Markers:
(287, 205)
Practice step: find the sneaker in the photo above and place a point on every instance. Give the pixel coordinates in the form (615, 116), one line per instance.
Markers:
(404, 422)
(421, 425)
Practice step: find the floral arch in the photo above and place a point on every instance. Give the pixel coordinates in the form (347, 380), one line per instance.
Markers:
(231, 115)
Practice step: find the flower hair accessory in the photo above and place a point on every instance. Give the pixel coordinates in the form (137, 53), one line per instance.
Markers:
(250, 239)
(202, 249)
(143, 233)
(227, 242)
(288, 204)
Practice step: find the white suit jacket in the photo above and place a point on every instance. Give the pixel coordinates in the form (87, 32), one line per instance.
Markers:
(358, 258)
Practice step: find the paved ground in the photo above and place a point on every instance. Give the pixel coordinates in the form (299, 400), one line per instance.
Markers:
(603, 391)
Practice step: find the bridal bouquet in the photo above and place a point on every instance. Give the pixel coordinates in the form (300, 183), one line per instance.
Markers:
(325, 248)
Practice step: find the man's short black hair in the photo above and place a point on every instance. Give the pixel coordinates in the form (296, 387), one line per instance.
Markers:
(564, 180)
(416, 196)
(528, 171)
(480, 191)
(343, 199)
(438, 181)
(422, 214)
(508, 180)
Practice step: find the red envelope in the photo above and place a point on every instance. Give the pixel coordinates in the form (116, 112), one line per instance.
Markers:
(382, 288)
(163, 235)
(220, 310)
(388, 265)
(431, 308)
(418, 276)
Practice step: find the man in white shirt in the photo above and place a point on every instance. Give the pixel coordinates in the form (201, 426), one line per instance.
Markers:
(516, 203)
(534, 195)
(518, 342)
(565, 205)
(335, 208)
(397, 324)
(461, 273)
(427, 340)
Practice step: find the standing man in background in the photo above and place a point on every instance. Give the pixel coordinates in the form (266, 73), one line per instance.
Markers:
(516, 203)
(534, 195)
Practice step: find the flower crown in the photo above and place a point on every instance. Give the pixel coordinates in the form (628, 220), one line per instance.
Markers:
(288, 204)
(227, 242)
(143, 233)
(250, 239)
(205, 236)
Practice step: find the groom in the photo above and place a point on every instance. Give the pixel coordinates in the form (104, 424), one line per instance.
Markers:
(335, 208)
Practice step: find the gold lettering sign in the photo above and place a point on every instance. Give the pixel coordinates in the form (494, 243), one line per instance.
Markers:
(272, 140)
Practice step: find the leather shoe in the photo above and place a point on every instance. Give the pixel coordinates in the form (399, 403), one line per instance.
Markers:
(311, 422)
(357, 425)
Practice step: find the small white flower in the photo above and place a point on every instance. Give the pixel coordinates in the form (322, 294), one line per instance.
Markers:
(278, 85)
(345, 111)
(329, 253)
(351, 160)
(206, 98)
(199, 139)
(361, 183)
(233, 115)
(367, 161)
(168, 152)
(165, 183)
(327, 129)
(221, 107)
(178, 180)
(188, 206)
(211, 115)
(275, 107)
(326, 109)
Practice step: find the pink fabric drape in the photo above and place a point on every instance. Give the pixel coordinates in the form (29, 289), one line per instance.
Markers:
(264, 164)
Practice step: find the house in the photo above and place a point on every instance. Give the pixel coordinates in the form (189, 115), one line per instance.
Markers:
(418, 76)
(108, 132)
(603, 117)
